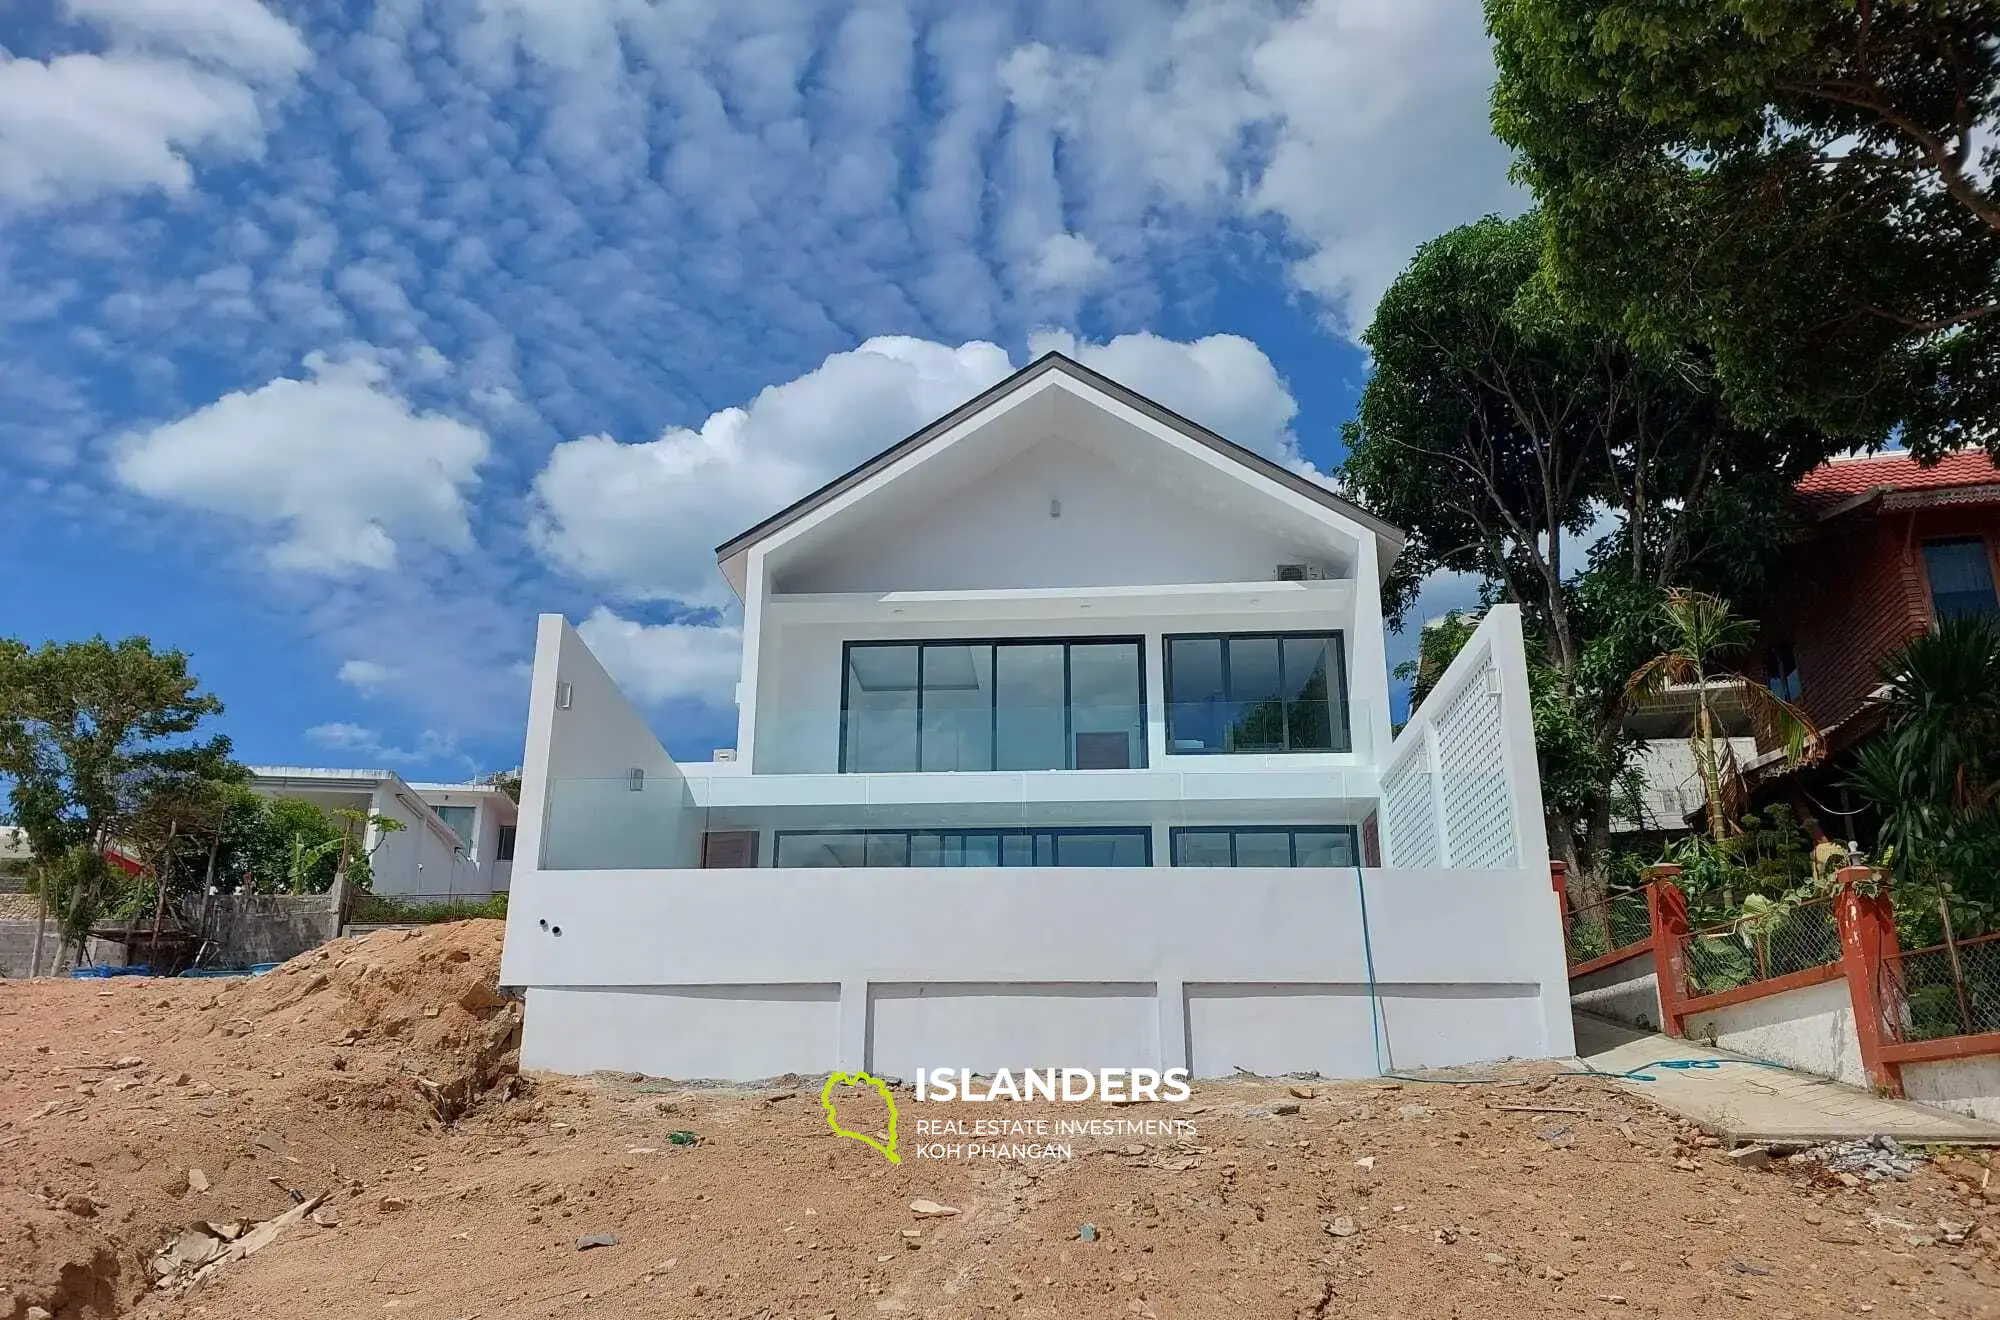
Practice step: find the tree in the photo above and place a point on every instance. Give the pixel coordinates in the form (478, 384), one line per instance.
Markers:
(1933, 773)
(1810, 188)
(90, 732)
(1499, 431)
(1702, 634)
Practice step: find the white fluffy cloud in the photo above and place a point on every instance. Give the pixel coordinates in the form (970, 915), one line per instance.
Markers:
(358, 740)
(659, 662)
(1069, 261)
(338, 467)
(642, 521)
(365, 675)
(176, 80)
(1360, 125)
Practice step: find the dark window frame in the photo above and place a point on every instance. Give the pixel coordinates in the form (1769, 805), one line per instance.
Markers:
(1144, 833)
(1341, 714)
(503, 843)
(1178, 832)
(1930, 589)
(1138, 643)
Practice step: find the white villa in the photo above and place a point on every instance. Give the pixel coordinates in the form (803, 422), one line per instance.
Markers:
(456, 844)
(1063, 740)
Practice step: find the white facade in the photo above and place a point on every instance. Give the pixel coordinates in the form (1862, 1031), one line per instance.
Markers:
(456, 843)
(1061, 737)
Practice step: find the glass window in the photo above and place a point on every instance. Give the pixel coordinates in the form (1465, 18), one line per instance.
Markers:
(1961, 578)
(1107, 717)
(1028, 714)
(1265, 845)
(1024, 705)
(459, 819)
(504, 849)
(1264, 693)
(881, 715)
(1068, 847)
(957, 707)
(1201, 848)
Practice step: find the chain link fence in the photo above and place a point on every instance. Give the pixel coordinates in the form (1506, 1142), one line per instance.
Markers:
(1748, 950)
(1947, 990)
(1616, 921)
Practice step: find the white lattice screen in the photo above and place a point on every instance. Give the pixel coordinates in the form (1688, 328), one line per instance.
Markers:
(1409, 818)
(1447, 796)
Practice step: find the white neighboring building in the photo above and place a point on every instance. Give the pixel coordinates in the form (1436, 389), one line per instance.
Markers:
(1063, 739)
(457, 840)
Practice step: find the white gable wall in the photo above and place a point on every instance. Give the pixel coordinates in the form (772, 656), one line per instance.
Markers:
(1055, 516)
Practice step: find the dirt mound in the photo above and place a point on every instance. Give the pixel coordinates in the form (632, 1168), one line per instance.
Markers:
(133, 1108)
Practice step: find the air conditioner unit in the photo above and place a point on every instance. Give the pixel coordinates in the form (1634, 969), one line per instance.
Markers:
(1300, 573)
(725, 753)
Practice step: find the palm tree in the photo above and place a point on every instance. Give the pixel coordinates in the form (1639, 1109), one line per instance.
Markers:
(1934, 772)
(1701, 633)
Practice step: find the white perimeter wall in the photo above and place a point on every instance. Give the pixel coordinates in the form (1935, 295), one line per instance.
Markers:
(746, 974)
(1810, 1029)
(1964, 1086)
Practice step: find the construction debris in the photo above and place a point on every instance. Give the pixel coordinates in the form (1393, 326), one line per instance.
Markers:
(202, 1248)
(1870, 1159)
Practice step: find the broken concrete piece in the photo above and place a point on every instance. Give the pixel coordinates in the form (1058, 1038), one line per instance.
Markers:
(197, 1180)
(932, 1210)
(590, 1241)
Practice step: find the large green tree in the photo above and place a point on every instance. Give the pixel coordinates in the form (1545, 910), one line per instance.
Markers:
(1499, 429)
(93, 735)
(1810, 188)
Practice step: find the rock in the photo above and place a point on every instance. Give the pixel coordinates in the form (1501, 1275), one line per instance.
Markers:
(1495, 1258)
(1750, 1157)
(1615, 1299)
(1626, 1266)
(39, 1313)
(1813, 1217)
(1285, 1109)
(1365, 1162)
(1302, 1092)
(270, 1141)
(130, 1061)
(1553, 1274)
(391, 1204)
(326, 1217)
(932, 1210)
(1953, 1233)
(1686, 1165)
(1086, 1233)
(1444, 1237)
(1415, 1111)
(1343, 1227)
(197, 1180)
(182, 1079)
(590, 1241)
(912, 1232)
(80, 1205)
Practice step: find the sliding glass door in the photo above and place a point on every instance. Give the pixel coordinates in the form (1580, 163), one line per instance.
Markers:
(993, 705)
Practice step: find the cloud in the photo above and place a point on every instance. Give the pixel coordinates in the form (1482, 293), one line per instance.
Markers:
(655, 663)
(365, 675)
(338, 467)
(1359, 126)
(1069, 261)
(642, 520)
(178, 81)
(431, 746)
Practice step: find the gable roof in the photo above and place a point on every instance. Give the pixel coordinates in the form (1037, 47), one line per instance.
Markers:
(1834, 486)
(1392, 537)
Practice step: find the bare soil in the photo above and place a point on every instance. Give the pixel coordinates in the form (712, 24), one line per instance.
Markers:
(380, 1069)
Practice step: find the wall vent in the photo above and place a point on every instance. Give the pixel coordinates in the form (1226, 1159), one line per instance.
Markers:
(725, 753)
(1300, 573)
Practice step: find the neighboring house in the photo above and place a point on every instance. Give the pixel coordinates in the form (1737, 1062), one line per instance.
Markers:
(1062, 739)
(1887, 547)
(16, 859)
(457, 840)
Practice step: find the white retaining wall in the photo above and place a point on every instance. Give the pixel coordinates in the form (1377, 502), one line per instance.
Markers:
(1627, 991)
(1964, 1086)
(1810, 1029)
(745, 974)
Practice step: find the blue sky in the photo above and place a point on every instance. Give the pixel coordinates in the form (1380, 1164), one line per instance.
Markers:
(340, 341)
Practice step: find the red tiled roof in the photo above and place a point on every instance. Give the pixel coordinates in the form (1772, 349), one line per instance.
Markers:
(1835, 483)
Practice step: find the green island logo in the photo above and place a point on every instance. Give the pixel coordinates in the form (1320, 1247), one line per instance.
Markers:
(887, 1148)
